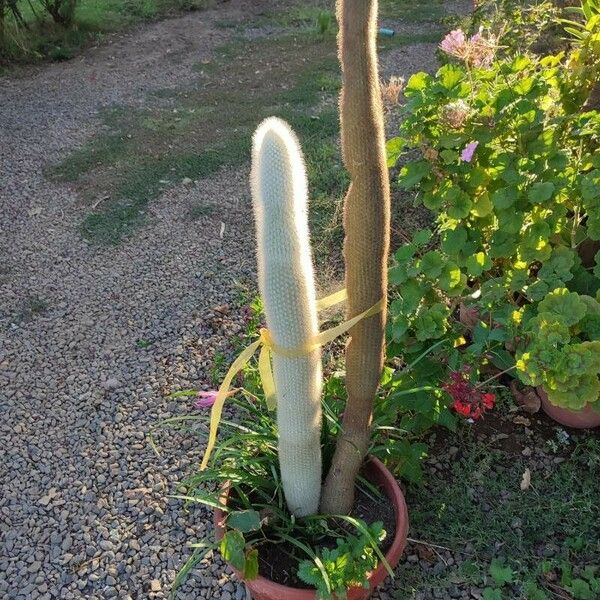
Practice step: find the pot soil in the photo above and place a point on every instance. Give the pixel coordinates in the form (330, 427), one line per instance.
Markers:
(586, 418)
(262, 588)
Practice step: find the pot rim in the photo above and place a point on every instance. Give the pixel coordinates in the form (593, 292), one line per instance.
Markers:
(381, 475)
(586, 417)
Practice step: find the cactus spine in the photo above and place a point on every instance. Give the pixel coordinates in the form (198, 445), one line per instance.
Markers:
(286, 282)
(366, 225)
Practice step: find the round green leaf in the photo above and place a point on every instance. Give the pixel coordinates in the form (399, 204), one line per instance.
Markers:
(422, 237)
(432, 264)
(505, 197)
(478, 263)
(540, 192)
(590, 186)
(413, 172)
(454, 241)
(460, 205)
(244, 520)
(450, 277)
(433, 200)
(482, 206)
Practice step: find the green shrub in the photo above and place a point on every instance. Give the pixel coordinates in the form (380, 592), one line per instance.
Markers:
(510, 170)
(525, 25)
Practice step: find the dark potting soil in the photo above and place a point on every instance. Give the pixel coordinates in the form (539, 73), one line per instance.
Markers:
(279, 562)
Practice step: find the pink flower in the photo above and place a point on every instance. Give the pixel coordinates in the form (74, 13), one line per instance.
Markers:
(455, 43)
(205, 399)
(478, 50)
(482, 50)
(467, 153)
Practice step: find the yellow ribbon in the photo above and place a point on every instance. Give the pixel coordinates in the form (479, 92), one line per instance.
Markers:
(267, 346)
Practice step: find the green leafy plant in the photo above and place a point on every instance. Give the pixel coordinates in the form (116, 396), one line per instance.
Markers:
(501, 154)
(245, 458)
(500, 573)
(588, 14)
(411, 403)
(563, 349)
(581, 78)
(523, 26)
(508, 174)
(345, 565)
(583, 586)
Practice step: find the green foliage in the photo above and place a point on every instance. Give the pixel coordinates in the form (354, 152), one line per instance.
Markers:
(507, 162)
(478, 500)
(244, 520)
(528, 196)
(411, 403)
(563, 352)
(500, 573)
(587, 15)
(325, 19)
(586, 586)
(246, 459)
(61, 11)
(344, 566)
(533, 25)
(492, 594)
(233, 549)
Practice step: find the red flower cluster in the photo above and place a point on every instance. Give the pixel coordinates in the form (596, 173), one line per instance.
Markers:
(468, 400)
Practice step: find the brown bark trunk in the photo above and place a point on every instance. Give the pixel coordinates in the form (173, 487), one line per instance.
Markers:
(366, 225)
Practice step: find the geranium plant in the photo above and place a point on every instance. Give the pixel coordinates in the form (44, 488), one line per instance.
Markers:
(562, 349)
(508, 165)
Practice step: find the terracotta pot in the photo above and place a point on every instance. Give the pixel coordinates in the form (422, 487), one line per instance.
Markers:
(586, 418)
(263, 589)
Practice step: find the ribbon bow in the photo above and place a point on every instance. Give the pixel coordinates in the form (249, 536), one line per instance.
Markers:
(267, 347)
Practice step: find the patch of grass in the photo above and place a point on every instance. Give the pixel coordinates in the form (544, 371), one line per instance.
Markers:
(194, 131)
(93, 18)
(31, 306)
(204, 128)
(407, 11)
(102, 150)
(399, 40)
(318, 16)
(479, 502)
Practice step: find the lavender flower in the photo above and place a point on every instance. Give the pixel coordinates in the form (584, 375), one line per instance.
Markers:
(469, 151)
(455, 43)
(477, 51)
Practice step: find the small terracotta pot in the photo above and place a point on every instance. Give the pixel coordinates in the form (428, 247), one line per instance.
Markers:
(263, 589)
(586, 418)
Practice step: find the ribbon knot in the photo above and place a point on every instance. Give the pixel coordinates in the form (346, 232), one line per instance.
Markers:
(267, 347)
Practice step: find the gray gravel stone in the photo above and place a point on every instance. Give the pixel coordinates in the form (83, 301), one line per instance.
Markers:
(84, 512)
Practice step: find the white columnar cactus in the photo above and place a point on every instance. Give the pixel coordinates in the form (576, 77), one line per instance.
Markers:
(286, 282)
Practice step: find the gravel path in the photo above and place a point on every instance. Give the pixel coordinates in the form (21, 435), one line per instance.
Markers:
(92, 340)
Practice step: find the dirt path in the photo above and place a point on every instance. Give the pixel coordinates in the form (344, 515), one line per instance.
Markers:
(92, 339)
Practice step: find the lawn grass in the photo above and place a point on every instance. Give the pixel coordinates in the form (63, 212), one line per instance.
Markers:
(408, 11)
(547, 533)
(193, 131)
